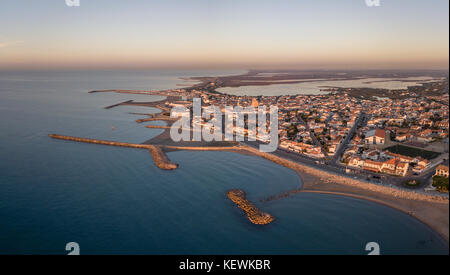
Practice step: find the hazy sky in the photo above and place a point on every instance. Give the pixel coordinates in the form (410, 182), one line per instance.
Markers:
(47, 34)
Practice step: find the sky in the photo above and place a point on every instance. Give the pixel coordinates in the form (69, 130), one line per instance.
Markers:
(238, 34)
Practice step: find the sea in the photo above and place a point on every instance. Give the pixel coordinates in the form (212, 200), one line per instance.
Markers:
(113, 200)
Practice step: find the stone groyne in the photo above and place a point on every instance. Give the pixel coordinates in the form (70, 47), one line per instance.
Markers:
(102, 91)
(142, 114)
(158, 155)
(161, 159)
(101, 142)
(255, 215)
(124, 91)
(162, 118)
(118, 104)
(157, 127)
(282, 196)
(231, 148)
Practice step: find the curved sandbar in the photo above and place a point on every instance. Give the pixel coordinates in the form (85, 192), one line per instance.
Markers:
(255, 215)
(160, 158)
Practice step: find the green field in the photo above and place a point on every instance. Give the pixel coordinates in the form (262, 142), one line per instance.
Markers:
(413, 152)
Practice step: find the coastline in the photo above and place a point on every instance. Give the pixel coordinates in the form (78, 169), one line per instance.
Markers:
(437, 225)
(426, 208)
(430, 210)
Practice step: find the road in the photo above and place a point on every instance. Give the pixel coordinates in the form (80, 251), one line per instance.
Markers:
(359, 122)
(333, 166)
(348, 172)
(313, 137)
(329, 118)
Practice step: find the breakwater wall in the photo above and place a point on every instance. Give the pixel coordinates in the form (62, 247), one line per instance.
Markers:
(101, 142)
(282, 196)
(102, 91)
(157, 127)
(156, 118)
(160, 158)
(255, 215)
(118, 104)
(123, 91)
(200, 148)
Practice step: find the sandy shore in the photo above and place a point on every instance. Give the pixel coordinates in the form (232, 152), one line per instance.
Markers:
(431, 210)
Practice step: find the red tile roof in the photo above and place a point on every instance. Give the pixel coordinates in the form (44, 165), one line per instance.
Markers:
(380, 133)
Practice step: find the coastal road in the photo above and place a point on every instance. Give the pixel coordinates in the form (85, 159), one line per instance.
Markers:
(302, 159)
(334, 167)
(340, 170)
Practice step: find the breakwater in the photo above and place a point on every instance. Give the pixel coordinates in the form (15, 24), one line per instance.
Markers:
(255, 215)
(124, 91)
(118, 104)
(156, 118)
(231, 148)
(101, 142)
(282, 196)
(160, 158)
(102, 91)
(157, 127)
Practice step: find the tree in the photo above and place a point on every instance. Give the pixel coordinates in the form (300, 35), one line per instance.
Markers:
(441, 183)
(393, 135)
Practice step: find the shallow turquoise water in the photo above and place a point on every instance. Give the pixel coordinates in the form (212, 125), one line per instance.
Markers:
(115, 201)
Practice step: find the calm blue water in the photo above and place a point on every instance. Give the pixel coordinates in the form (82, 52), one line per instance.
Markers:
(115, 201)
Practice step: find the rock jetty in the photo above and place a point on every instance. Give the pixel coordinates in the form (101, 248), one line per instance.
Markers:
(158, 155)
(161, 160)
(255, 215)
